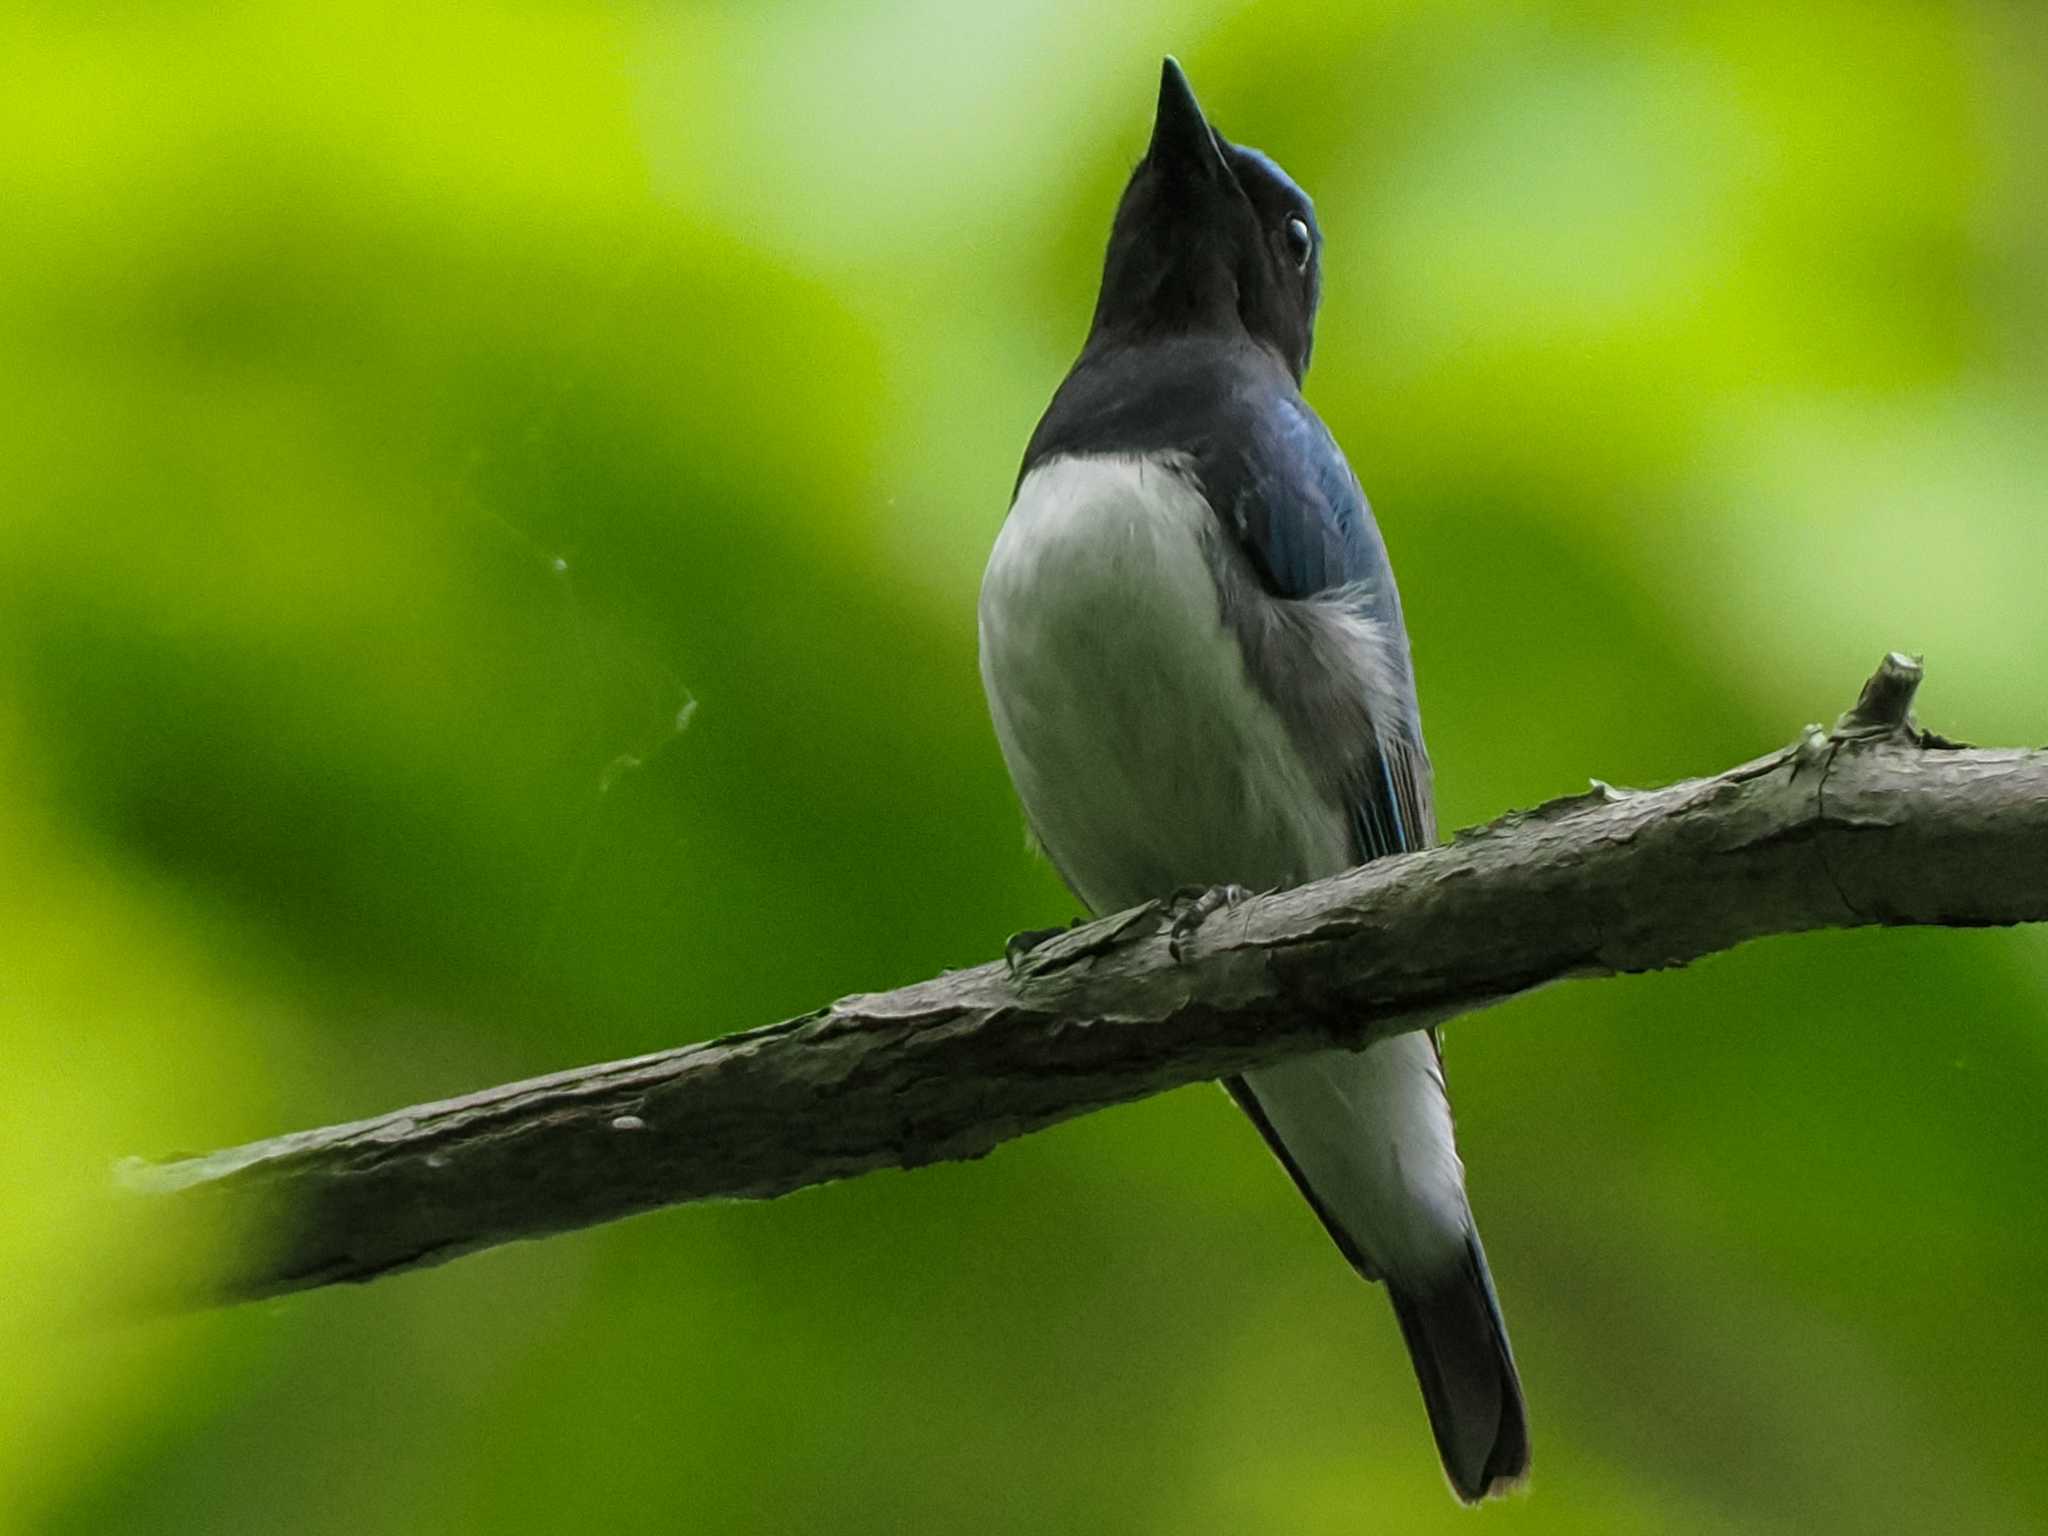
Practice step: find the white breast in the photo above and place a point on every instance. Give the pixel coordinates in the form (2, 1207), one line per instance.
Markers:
(1146, 760)
(1144, 757)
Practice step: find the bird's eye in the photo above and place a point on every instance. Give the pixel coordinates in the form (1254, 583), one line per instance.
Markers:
(1300, 243)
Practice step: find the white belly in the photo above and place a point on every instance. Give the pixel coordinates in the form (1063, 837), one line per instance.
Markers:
(1146, 761)
(1143, 755)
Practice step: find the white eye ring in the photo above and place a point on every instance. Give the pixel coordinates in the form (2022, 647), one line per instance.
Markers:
(1300, 241)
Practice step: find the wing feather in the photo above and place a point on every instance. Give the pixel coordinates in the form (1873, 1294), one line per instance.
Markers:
(1301, 519)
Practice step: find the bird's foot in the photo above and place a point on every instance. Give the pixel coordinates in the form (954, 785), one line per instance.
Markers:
(1193, 905)
(1040, 952)
(1017, 947)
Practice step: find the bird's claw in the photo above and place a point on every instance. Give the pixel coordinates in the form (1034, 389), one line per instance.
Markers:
(1040, 951)
(1194, 905)
(1017, 947)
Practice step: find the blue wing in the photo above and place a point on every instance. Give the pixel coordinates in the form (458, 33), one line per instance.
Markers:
(1298, 514)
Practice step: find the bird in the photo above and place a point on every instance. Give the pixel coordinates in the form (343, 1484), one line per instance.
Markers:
(1200, 680)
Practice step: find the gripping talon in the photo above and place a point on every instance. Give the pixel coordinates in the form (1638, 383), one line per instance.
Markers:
(1018, 947)
(1195, 905)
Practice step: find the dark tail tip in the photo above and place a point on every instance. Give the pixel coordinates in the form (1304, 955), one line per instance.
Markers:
(1469, 1384)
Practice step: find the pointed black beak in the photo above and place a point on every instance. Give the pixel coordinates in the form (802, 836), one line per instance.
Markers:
(1181, 136)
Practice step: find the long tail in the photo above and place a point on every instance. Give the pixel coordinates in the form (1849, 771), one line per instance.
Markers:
(1459, 1346)
(1366, 1137)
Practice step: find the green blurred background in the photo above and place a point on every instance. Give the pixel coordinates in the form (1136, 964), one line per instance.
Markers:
(492, 507)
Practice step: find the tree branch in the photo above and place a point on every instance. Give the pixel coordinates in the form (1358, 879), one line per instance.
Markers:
(1872, 822)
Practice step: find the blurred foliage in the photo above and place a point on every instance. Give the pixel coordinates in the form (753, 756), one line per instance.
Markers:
(492, 506)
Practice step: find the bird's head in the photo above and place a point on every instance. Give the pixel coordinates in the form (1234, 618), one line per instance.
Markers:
(1210, 238)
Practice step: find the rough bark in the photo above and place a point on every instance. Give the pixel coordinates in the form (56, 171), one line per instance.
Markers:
(1873, 822)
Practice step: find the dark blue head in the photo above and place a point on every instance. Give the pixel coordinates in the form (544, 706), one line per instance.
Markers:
(1210, 238)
